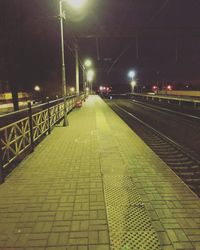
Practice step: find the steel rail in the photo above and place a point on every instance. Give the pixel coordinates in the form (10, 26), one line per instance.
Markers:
(189, 160)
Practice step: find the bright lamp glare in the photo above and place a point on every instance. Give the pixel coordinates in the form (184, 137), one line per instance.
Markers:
(90, 75)
(76, 4)
(88, 63)
(131, 74)
(133, 84)
(37, 88)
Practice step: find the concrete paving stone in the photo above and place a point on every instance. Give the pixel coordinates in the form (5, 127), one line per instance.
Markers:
(63, 239)
(52, 239)
(157, 225)
(183, 246)
(164, 239)
(93, 237)
(164, 213)
(168, 247)
(171, 225)
(36, 243)
(104, 237)
(81, 241)
(52, 248)
(99, 247)
(43, 227)
(10, 243)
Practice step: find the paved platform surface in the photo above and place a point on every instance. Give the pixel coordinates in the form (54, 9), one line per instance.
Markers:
(95, 185)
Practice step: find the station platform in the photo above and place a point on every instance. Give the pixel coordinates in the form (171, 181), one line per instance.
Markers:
(95, 185)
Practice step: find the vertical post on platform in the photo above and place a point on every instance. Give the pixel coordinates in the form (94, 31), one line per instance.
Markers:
(49, 116)
(77, 68)
(1, 165)
(31, 125)
(65, 121)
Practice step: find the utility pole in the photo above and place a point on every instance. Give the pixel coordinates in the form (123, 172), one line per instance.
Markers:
(77, 67)
(64, 88)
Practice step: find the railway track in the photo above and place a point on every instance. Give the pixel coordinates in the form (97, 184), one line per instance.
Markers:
(183, 161)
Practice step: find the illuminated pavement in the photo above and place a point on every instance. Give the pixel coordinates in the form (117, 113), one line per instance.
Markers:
(95, 185)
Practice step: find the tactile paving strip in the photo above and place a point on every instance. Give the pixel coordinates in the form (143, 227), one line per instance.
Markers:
(129, 224)
(121, 191)
(134, 241)
(128, 218)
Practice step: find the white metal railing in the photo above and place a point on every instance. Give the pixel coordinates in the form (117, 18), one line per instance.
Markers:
(180, 99)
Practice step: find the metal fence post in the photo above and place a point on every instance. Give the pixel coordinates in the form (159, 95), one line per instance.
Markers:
(31, 126)
(1, 164)
(49, 116)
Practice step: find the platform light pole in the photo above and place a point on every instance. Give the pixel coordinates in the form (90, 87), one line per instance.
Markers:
(131, 74)
(64, 89)
(77, 67)
(74, 4)
(87, 65)
(90, 77)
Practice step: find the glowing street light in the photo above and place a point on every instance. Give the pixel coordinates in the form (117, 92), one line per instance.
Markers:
(72, 89)
(131, 74)
(37, 88)
(75, 4)
(133, 84)
(90, 77)
(88, 63)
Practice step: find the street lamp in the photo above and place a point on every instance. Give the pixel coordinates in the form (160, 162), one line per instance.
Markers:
(75, 4)
(131, 74)
(87, 64)
(37, 88)
(90, 77)
(133, 84)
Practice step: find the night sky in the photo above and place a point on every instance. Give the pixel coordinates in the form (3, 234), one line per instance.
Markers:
(167, 34)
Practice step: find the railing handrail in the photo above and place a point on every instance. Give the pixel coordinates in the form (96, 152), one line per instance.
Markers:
(35, 106)
(170, 97)
(26, 132)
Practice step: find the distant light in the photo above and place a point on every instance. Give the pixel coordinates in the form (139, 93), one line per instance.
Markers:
(88, 63)
(101, 88)
(37, 88)
(90, 75)
(87, 89)
(76, 4)
(72, 89)
(133, 84)
(154, 87)
(131, 74)
(169, 87)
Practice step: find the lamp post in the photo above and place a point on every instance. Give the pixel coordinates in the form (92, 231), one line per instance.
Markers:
(87, 65)
(37, 91)
(90, 77)
(131, 74)
(64, 89)
(74, 4)
(133, 84)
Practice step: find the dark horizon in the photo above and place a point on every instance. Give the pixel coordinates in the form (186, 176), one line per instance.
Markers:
(165, 33)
